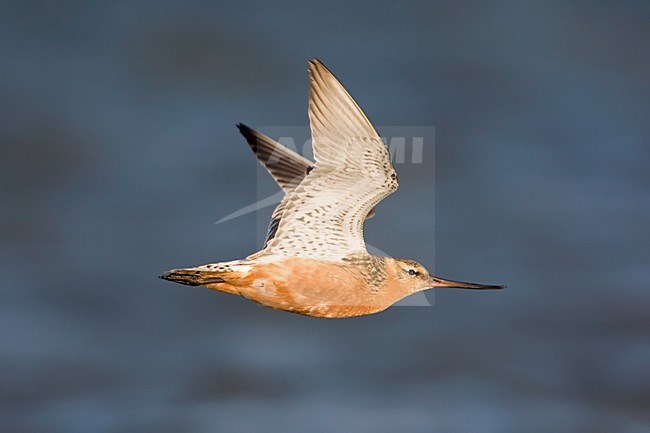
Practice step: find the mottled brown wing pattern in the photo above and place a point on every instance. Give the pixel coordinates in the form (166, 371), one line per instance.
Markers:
(323, 216)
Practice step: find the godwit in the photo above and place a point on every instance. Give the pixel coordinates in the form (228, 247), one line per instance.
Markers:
(314, 261)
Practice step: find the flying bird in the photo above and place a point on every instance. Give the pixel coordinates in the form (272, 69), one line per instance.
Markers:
(314, 261)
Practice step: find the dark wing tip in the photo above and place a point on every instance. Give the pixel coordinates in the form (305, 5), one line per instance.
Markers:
(249, 134)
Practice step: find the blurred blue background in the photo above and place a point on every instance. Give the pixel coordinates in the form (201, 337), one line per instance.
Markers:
(119, 152)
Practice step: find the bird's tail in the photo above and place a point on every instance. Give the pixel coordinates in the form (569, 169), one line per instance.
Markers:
(192, 276)
(225, 276)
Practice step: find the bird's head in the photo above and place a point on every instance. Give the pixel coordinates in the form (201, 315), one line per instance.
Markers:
(412, 276)
(415, 278)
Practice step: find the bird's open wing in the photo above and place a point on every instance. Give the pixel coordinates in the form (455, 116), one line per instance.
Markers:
(323, 216)
(287, 167)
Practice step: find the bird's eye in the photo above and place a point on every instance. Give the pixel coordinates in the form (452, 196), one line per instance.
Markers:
(413, 272)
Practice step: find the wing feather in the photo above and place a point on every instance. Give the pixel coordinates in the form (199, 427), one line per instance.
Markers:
(323, 216)
(287, 167)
